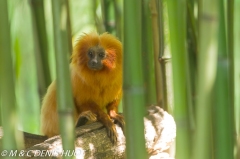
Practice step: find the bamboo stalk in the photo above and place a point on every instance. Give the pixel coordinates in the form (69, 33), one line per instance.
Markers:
(177, 26)
(156, 48)
(207, 60)
(236, 64)
(11, 140)
(236, 56)
(148, 56)
(107, 14)
(133, 82)
(230, 39)
(64, 93)
(191, 63)
(222, 107)
(98, 21)
(69, 29)
(40, 33)
(234, 49)
(0, 106)
(165, 60)
(118, 17)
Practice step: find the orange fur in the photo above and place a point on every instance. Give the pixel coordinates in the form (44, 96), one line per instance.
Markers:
(97, 91)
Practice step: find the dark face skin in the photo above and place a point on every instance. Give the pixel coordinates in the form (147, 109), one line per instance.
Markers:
(96, 54)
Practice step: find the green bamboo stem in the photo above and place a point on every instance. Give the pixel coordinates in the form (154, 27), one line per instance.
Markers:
(64, 91)
(230, 39)
(69, 29)
(133, 102)
(192, 21)
(160, 9)
(0, 110)
(118, 17)
(236, 56)
(148, 56)
(191, 61)
(237, 65)
(222, 105)
(98, 21)
(165, 60)
(177, 25)
(44, 77)
(107, 14)
(11, 140)
(156, 48)
(207, 60)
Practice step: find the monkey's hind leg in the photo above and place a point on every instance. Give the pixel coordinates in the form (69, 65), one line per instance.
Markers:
(84, 117)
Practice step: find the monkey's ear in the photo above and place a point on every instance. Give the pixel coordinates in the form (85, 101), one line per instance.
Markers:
(86, 117)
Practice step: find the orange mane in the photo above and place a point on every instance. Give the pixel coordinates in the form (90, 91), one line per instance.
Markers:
(113, 61)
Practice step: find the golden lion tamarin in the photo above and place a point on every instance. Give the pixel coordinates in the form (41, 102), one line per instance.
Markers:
(96, 77)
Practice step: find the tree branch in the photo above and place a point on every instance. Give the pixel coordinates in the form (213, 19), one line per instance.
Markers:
(92, 140)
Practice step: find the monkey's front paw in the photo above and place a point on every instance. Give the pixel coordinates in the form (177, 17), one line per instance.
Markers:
(85, 117)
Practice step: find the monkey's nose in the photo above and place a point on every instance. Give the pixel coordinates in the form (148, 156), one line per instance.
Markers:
(94, 62)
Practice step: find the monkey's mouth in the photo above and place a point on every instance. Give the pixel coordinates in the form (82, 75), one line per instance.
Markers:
(95, 67)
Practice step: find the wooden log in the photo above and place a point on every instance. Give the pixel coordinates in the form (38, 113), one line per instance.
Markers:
(92, 141)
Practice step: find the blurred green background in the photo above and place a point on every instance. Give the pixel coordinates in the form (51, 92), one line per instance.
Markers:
(183, 54)
(24, 52)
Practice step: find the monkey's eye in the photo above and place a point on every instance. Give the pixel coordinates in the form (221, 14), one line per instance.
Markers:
(90, 54)
(101, 54)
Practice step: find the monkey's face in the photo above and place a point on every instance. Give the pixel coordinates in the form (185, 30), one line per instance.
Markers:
(96, 55)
